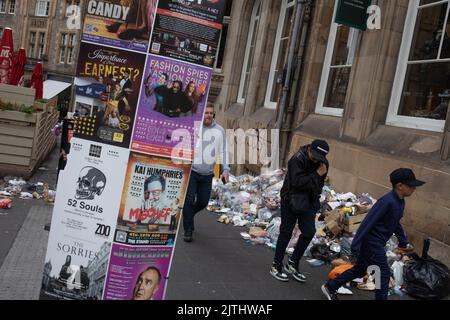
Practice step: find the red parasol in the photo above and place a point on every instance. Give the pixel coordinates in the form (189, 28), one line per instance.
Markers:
(37, 81)
(18, 68)
(6, 55)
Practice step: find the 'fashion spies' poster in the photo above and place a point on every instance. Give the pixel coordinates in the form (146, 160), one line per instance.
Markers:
(173, 97)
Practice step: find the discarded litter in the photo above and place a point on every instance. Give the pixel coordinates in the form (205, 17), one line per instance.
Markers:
(6, 203)
(26, 195)
(315, 262)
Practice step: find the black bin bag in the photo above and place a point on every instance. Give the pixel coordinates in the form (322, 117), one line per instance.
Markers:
(425, 277)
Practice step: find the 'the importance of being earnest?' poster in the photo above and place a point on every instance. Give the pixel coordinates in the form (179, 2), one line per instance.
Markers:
(171, 107)
(83, 221)
(188, 30)
(123, 24)
(108, 116)
(152, 198)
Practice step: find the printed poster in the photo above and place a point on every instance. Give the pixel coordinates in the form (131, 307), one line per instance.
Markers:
(171, 108)
(188, 30)
(107, 116)
(123, 24)
(83, 221)
(152, 198)
(137, 273)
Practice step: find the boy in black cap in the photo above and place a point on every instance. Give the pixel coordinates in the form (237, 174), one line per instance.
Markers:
(300, 195)
(377, 228)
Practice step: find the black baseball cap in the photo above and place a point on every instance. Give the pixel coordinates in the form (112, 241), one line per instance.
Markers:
(405, 176)
(320, 150)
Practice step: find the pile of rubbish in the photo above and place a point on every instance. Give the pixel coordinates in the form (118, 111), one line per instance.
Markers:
(254, 204)
(15, 187)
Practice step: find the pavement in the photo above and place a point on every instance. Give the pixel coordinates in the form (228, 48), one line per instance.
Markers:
(218, 265)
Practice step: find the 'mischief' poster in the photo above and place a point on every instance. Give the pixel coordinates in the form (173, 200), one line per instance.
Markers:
(152, 199)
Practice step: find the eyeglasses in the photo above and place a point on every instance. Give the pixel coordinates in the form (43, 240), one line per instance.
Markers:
(155, 193)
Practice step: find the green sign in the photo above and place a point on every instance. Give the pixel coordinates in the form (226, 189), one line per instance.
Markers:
(353, 13)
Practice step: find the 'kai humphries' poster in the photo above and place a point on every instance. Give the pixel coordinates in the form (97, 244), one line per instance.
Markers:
(137, 273)
(107, 116)
(171, 107)
(123, 24)
(188, 30)
(152, 198)
(84, 219)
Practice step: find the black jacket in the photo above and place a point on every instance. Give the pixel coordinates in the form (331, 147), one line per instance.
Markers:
(302, 177)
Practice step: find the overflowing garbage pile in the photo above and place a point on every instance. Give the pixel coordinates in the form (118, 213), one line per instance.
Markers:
(254, 204)
(16, 187)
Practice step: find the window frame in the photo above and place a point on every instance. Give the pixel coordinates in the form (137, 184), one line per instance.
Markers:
(4, 3)
(327, 66)
(38, 8)
(393, 119)
(285, 5)
(11, 2)
(254, 25)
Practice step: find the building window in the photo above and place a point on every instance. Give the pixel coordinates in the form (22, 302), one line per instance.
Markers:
(223, 38)
(66, 48)
(12, 6)
(280, 52)
(32, 45)
(2, 6)
(341, 48)
(421, 92)
(41, 45)
(42, 8)
(249, 52)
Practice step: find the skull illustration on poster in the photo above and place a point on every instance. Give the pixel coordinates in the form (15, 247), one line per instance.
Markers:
(91, 182)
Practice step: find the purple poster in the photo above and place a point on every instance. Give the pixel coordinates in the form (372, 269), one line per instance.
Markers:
(171, 107)
(137, 273)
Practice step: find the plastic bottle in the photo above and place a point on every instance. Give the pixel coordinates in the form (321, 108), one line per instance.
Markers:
(397, 268)
(45, 192)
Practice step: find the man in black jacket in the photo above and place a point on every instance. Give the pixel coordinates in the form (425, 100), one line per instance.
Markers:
(305, 178)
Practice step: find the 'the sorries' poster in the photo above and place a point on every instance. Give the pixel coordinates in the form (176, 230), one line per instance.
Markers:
(152, 199)
(188, 30)
(112, 114)
(120, 23)
(171, 107)
(137, 273)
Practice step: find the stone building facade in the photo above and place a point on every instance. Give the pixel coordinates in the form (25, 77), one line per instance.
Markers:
(41, 27)
(380, 97)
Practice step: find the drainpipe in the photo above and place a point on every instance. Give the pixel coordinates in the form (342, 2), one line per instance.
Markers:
(298, 23)
(290, 111)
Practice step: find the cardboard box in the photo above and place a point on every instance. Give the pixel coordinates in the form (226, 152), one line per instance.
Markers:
(352, 223)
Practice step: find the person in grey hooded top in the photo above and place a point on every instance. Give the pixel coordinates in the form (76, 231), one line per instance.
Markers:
(208, 150)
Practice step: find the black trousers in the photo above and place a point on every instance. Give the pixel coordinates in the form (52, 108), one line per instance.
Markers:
(197, 198)
(307, 225)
